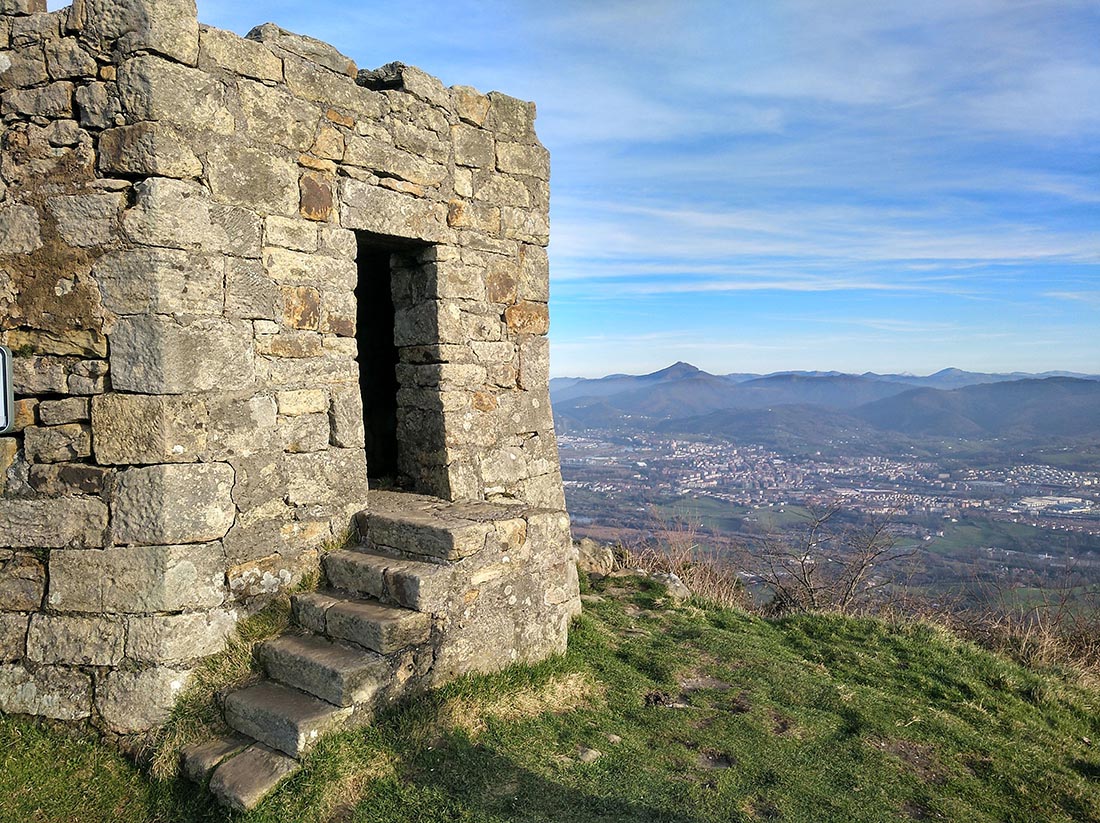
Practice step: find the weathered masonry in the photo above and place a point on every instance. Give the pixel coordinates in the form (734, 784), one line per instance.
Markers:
(240, 278)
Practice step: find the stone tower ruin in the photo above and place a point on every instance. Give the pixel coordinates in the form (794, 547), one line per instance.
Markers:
(260, 302)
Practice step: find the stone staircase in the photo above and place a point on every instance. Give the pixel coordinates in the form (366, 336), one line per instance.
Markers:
(378, 631)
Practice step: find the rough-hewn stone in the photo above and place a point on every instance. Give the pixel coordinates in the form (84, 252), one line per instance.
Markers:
(50, 691)
(52, 523)
(178, 637)
(137, 579)
(13, 636)
(135, 701)
(137, 429)
(148, 149)
(22, 581)
(184, 503)
(162, 355)
(82, 641)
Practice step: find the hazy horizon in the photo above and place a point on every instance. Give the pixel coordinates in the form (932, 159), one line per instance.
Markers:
(721, 372)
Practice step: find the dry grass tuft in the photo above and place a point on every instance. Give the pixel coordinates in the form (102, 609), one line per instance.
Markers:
(197, 714)
(560, 694)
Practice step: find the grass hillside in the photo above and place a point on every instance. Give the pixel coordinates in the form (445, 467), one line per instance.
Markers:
(662, 713)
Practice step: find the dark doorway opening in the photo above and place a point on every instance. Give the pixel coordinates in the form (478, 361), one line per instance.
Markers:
(374, 326)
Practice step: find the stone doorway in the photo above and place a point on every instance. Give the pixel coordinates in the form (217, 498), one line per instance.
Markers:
(378, 358)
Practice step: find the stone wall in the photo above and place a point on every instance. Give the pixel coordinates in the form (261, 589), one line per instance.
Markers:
(181, 211)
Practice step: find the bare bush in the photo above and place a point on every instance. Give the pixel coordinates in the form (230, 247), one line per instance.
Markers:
(1059, 628)
(824, 566)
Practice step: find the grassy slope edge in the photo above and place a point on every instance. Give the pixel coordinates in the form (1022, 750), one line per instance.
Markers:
(700, 715)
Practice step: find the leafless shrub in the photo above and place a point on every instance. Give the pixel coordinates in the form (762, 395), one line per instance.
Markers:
(824, 566)
(1058, 629)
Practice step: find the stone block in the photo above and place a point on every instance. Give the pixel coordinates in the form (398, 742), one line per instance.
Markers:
(147, 280)
(304, 433)
(336, 475)
(240, 426)
(525, 225)
(381, 211)
(254, 178)
(19, 229)
(479, 216)
(290, 233)
(21, 68)
(154, 89)
(534, 280)
(517, 158)
(295, 268)
(237, 230)
(98, 105)
(346, 417)
(59, 412)
(154, 354)
(137, 579)
(292, 344)
(473, 147)
(61, 341)
(174, 214)
(179, 637)
(136, 701)
(470, 105)
(57, 444)
(534, 362)
(168, 27)
(339, 311)
(526, 317)
(66, 60)
(249, 293)
(26, 413)
(382, 157)
(260, 482)
(152, 149)
(168, 504)
(9, 452)
(271, 116)
(50, 691)
(309, 81)
(510, 118)
(234, 54)
(87, 220)
(60, 523)
(316, 195)
(22, 581)
(301, 307)
(339, 243)
(66, 479)
(302, 401)
(316, 51)
(137, 429)
(54, 101)
(75, 641)
(13, 636)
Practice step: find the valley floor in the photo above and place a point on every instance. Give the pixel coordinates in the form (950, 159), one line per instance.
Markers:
(661, 713)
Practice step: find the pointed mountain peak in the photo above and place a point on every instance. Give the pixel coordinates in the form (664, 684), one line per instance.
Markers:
(676, 371)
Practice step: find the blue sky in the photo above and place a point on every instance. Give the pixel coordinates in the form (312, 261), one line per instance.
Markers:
(791, 184)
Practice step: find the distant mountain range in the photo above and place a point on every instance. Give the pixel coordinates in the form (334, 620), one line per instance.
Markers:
(810, 408)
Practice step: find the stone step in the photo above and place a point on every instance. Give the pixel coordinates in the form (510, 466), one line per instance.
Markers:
(367, 623)
(283, 718)
(416, 524)
(245, 779)
(341, 675)
(414, 584)
(198, 760)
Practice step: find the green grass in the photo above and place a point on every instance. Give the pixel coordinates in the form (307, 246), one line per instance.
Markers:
(721, 716)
